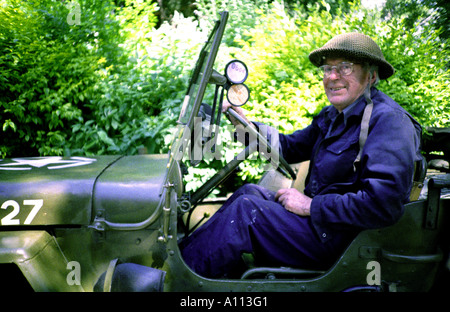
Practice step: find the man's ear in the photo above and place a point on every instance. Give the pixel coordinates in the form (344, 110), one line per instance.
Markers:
(374, 77)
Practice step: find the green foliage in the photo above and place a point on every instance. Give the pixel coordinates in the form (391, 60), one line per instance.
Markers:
(46, 72)
(113, 83)
(433, 13)
(137, 102)
(422, 76)
(285, 90)
(243, 16)
(97, 87)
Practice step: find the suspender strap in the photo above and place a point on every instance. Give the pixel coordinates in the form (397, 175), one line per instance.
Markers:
(364, 128)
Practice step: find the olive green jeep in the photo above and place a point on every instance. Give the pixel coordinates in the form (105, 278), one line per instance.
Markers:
(112, 223)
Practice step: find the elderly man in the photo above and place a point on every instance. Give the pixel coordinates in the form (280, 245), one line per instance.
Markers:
(362, 150)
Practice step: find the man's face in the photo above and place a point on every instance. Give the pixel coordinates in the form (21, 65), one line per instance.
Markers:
(343, 90)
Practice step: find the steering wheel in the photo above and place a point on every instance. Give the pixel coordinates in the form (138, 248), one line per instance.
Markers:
(283, 165)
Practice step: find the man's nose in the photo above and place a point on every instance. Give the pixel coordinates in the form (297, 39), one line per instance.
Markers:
(334, 74)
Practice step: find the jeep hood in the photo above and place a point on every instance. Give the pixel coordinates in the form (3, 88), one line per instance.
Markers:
(57, 190)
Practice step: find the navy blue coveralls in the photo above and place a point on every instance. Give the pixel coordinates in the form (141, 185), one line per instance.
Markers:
(344, 202)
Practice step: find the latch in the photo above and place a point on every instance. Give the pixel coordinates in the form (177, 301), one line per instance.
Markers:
(99, 223)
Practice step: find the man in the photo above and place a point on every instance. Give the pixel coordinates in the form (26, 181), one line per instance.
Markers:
(362, 150)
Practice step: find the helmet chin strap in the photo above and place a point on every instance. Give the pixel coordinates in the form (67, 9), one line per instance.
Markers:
(364, 123)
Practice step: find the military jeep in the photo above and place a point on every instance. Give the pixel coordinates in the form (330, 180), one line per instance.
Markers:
(112, 223)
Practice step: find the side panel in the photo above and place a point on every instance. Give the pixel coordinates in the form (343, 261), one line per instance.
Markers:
(33, 252)
(49, 190)
(130, 190)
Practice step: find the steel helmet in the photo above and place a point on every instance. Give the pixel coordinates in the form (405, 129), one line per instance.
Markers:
(353, 46)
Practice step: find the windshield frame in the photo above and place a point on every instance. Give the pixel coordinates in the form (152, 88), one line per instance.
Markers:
(203, 70)
(191, 104)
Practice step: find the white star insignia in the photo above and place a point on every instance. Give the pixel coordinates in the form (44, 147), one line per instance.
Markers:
(49, 162)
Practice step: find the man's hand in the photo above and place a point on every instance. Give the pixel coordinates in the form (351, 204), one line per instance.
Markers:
(238, 110)
(294, 201)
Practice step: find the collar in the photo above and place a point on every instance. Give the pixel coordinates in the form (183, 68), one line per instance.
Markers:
(356, 108)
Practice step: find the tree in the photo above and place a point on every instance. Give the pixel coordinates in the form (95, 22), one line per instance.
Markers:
(114, 82)
(168, 7)
(432, 12)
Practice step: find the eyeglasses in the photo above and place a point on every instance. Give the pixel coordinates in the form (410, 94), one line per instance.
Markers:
(343, 69)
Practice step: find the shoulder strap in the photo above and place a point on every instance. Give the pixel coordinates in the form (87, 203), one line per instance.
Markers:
(364, 131)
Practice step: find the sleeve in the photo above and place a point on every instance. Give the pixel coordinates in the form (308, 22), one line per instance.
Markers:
(298, 146)
(293, 147)
(383, 184)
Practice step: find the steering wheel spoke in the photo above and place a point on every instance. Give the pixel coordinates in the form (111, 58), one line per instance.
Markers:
(263, 145)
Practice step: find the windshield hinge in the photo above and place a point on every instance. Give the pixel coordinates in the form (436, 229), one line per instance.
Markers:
(99, 223)
(164, 231)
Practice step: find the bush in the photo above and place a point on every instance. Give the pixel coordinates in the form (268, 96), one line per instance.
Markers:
(94, 87)
(137, 101)
(114, 83)
(45, 75)
(287, 93)
(422, 76)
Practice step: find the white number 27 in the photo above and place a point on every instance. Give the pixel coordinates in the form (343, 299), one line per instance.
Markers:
(10, 219)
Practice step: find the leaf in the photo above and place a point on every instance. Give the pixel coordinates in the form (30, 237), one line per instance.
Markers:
(104, 138)
(9, 124)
